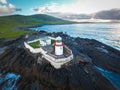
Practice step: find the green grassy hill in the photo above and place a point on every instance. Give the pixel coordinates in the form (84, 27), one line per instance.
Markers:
(8, 24)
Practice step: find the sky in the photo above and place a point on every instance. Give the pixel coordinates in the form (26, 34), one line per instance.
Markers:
(29, 7)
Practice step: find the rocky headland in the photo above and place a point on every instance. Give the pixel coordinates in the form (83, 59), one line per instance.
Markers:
(80, 74)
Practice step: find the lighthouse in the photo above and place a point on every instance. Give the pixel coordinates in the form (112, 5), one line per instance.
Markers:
(59, 46)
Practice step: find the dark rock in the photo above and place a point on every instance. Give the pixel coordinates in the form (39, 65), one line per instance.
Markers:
(78, 75)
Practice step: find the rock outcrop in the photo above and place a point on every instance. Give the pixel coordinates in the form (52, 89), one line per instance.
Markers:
(80, 74)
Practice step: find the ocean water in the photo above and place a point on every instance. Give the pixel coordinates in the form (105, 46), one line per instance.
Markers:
(8, 81)
(114, 78)
(108, 33)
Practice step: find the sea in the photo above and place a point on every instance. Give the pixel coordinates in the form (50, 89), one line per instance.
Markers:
(108, 33)
(8, 81)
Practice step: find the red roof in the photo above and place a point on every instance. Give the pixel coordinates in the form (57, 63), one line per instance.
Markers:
(59, 45)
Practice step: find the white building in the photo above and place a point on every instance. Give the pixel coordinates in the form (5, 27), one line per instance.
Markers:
(52, 49)
(45, 41)
(59, 46)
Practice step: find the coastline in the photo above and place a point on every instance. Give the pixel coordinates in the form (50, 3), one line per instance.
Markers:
(65, 24)
(82, 49)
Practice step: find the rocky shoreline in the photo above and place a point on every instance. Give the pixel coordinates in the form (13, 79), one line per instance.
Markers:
(80, 74)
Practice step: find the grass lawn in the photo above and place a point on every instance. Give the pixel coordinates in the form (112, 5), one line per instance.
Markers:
(52, 42)
(35, 44)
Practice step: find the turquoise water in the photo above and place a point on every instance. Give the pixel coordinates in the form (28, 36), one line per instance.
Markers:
(108, 33)
(8, 81)
(114, 78)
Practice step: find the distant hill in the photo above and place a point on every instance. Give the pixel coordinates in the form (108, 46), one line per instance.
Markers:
(75, 16)
(32, 19)
(8, 24)
(113, 14)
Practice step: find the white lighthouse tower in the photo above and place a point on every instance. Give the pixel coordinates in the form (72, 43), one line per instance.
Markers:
(59, 46)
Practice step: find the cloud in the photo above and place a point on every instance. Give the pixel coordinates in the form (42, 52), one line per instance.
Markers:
(45, 9)
(53, 8)
(7, 9)
(18, 9)
(108, 14)
(3, 1)
(35, 9)
(78, 7)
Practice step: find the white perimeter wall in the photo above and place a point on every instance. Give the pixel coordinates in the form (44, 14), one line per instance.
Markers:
(57, 63)
(34, 50)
